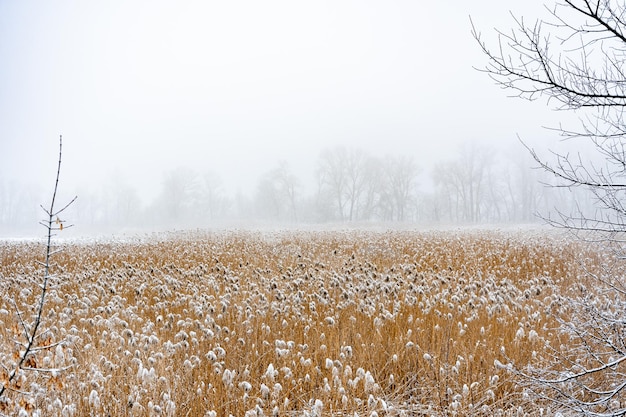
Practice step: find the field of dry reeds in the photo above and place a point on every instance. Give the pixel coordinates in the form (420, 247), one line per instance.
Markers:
(286, 323)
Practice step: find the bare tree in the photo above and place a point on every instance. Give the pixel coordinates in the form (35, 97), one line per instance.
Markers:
(523, 192)
(211, 200)
(121, 202)
(277, 194)
(17, 204)
(332, 180)
(175, 200)
(373, 203)
(355, 164)
(343, 178)
(401, 173)
(462, 182)
(31, 338)
(575, 58)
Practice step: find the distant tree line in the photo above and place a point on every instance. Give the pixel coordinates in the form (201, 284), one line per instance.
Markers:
(477, 185)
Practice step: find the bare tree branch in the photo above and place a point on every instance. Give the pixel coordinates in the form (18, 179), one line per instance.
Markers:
(578, 59)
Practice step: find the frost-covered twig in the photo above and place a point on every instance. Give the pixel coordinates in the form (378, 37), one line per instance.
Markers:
(32, 331)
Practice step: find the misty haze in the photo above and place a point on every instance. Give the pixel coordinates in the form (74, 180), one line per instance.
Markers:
(317, 209)
(220, 116)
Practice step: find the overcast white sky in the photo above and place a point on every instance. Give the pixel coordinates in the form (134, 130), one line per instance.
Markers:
(236, 86)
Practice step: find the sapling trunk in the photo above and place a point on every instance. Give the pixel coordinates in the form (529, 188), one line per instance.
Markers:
(32, 333)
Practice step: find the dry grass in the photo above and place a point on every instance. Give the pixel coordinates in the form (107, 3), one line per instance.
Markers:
(294, 323)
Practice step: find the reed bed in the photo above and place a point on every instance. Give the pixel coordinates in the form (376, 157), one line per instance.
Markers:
(288, 323)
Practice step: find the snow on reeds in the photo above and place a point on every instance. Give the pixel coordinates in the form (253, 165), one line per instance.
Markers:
(293, 323)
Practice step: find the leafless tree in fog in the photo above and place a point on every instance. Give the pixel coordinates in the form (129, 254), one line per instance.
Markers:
(342, 175)
(121, 202)
(360, 187)
(18, 203)
(462, 182)
(178, 189)
(355, 163)
(400, 175)
(575, 58)
(211, 201)
(332, 182)
(277, 194)
(523, 191)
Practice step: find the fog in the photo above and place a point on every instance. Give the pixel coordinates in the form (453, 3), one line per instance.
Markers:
(220, 114)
